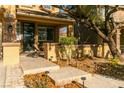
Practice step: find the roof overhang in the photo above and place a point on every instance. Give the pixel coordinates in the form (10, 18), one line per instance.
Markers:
(44, 19)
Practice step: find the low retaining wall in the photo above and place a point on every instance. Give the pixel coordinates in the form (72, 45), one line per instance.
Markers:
(52, 51)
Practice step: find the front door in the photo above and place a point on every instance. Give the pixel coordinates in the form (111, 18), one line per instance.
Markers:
(28, 39)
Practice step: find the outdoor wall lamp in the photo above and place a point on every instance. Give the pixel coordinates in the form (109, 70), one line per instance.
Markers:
(9, 19)
(10, 28)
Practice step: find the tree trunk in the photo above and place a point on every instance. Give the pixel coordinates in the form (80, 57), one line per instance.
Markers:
(113, 48)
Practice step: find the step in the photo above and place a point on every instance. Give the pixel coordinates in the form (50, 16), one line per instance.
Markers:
(36, 65)
(66, 75)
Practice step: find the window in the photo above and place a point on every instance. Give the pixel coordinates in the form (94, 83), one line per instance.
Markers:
(18, 30)
(61, 10)
(28, 38)
(45, 33)
(47, 6)
(63, 31)
(50, 33)
(42, 33)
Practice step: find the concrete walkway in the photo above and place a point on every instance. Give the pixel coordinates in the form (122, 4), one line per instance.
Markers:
(2, 75)
(14, 77)
(11, 76)
(36, 65)
(98, 81)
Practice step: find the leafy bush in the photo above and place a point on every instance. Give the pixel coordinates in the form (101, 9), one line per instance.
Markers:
(68, 40)
(114, 61)
(66, 47)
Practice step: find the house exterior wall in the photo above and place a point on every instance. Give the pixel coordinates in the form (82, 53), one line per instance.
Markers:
(45, 20)
(119, 17)
(59, 23)
(31, 14)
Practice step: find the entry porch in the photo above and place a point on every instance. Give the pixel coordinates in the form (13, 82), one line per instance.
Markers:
(33, 31)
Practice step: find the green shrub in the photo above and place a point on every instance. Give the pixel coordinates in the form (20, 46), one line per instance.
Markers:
(114, 61)
(66, 47)
(68, 40)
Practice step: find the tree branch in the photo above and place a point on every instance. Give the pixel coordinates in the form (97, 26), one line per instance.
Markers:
(115, 9)
(108, 15)
(98, 31)
(117, 27)
(70, 13)
(50, 12)
(44, 9)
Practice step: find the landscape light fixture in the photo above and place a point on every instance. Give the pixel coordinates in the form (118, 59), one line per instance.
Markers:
(83, 79)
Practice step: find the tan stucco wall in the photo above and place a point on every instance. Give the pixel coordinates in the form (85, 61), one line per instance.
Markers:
(11, 54)
(119, 16)
(50, 51)
(90, 50)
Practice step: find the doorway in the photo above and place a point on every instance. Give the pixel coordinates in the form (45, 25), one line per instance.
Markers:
(28, 36)
(45, 34)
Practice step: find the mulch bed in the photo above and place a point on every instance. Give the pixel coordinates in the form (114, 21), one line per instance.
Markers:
(41, 80)
(114, 71)
(107, 69)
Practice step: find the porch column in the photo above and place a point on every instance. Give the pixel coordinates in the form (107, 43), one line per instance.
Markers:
(14, 30)
(10, 46)
(14, 21)
(56, 35)
(118, 40)
(70, 31)
(36, 37)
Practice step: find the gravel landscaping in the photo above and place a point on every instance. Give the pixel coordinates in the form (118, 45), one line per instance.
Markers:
(41, 80)
(102, 68)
